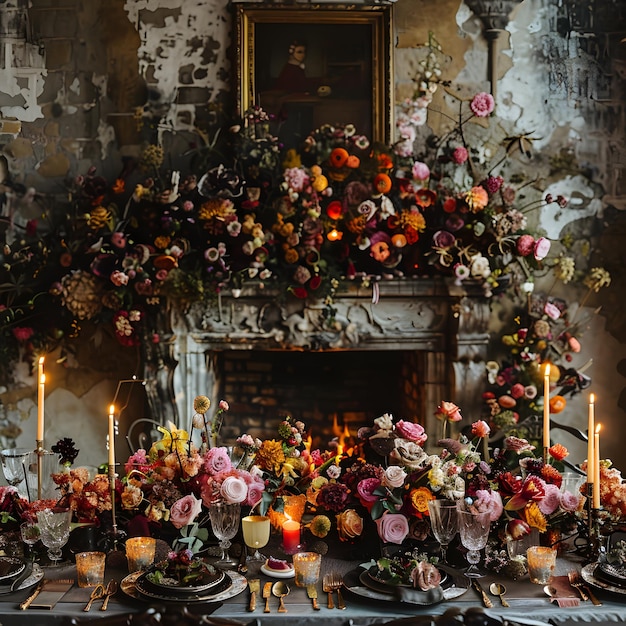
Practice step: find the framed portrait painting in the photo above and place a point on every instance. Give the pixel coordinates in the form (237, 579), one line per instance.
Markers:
(311, 65)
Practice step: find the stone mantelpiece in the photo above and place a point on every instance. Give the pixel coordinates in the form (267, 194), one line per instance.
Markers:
(448, 323)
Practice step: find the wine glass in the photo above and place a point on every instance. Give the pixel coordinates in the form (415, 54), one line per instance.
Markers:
(29, 531)
(14, 468)
(225, 523)
(444, 523)
(54, 525)
(474, 531)
(256, 534)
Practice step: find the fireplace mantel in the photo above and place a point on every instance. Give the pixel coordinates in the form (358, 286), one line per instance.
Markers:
(448, 322)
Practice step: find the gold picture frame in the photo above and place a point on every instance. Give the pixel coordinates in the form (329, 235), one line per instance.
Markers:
(347, 75)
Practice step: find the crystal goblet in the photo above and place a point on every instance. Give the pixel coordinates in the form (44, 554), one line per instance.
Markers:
(225, 523)
(444, 522)
(256, 534)
(474, 531)
(54, 525)
(30, 534)
(14, 467)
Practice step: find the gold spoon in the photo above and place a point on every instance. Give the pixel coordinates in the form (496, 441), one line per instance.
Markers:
(111, 590)
(96, 594)
(280, 590)
(499, 590)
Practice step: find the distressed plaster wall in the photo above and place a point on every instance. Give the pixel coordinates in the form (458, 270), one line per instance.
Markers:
(121, 72)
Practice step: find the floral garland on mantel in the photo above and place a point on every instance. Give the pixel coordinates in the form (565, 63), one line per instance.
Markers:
(339, 208)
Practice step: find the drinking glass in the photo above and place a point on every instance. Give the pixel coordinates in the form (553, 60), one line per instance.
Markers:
(29, 531)
(54, 525)
(444, 523)
(256, 534)
(225, 523)
(14, 468)
(49, 465)
(474, 531)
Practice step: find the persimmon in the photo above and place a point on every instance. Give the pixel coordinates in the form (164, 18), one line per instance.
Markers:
(557, 404)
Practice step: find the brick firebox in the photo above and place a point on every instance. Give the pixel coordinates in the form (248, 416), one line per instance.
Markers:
(398, 346)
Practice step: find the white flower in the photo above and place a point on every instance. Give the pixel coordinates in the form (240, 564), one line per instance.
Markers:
(394, 477)
(234, 489)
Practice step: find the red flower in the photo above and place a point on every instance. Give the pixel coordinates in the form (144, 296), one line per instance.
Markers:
(532, 490)
(299, 292)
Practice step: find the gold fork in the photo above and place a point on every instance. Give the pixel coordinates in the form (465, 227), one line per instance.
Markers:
(328, 588)
(336, 583)
(577, 582)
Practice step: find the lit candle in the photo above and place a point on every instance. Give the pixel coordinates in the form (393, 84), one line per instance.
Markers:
(291, 536)
(41, 379)
(596, 468)
(111, 438)
(591, 429)
(546, 407)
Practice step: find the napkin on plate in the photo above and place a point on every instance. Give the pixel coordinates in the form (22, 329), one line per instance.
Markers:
(417, 596)
(51, 593)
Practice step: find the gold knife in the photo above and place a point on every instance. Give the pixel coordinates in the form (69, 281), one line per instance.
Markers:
(486, 601)
(32, 596)
(312, 593)
(254, 584)
(267, 594)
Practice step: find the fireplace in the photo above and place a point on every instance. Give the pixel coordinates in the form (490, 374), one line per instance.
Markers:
(399, 347)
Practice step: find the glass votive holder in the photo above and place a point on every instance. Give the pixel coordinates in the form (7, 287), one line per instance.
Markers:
(140, 553)
(306, 567)
(90, 568)
(541, 561)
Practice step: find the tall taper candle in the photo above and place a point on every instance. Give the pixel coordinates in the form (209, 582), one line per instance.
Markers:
(596, 468)
(591, 429)
(112, 438)
(41, 380)
(546, 407)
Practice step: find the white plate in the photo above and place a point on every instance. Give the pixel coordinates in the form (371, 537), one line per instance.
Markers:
(277, 573)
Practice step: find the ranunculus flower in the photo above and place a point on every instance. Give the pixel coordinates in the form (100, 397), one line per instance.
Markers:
(234, 490)
(482, 104)
(480, 429)
(185, 511)
(460, 155)
(449, 411)
(365, 490)
(411, 431)
(569, 501)
(392, 527)
(550, 502)
(558, 451)
(420, 170)
(255, 492)
(394, 477)
(217, 460)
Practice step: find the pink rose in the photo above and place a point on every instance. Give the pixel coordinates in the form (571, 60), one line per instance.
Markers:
(550, 502)
(217, 460)
(412, 432)
(234, 489)
(542, 247)
(460, 155)
(482, 104)
(185, 511)
(421, 171)
(255, 492)
(394, 477)
(425, 576)
(488, 502)
(365, 490)
(569, 501)
(392, 528)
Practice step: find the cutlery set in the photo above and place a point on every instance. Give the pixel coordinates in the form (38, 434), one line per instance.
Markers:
(331, 583)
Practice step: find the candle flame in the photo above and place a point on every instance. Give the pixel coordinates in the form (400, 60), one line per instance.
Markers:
(112, 410)
(592, 398)
(598, 428)
(41, 360)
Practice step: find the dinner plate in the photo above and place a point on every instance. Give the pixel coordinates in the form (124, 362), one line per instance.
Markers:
(238, 583)
(587, 572)
(12, 567)
(170, 587)
(382, 583)
(456, 585)
(33, 577)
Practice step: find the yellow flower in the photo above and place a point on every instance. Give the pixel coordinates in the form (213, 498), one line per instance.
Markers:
(534, 517)
(201, 404)
(414, 219)
(598, 277)
(270, 456)
(320, 183)
(173, 439)
(420, 498)
(320, 526)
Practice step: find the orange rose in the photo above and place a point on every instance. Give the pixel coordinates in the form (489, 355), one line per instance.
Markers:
(420, 498)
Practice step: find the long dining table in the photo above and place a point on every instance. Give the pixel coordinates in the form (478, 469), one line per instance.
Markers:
(528, 603)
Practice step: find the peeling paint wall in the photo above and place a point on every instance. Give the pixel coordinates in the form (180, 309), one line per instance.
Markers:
(114, 74)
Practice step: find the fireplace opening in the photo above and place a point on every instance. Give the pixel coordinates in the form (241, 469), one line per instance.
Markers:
(332, 392)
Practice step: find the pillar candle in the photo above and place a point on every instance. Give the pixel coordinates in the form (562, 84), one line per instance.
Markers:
(112, 438)
(291, 536)
(596, 468)
(546, 407)
(41, 381)
(591, 429)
